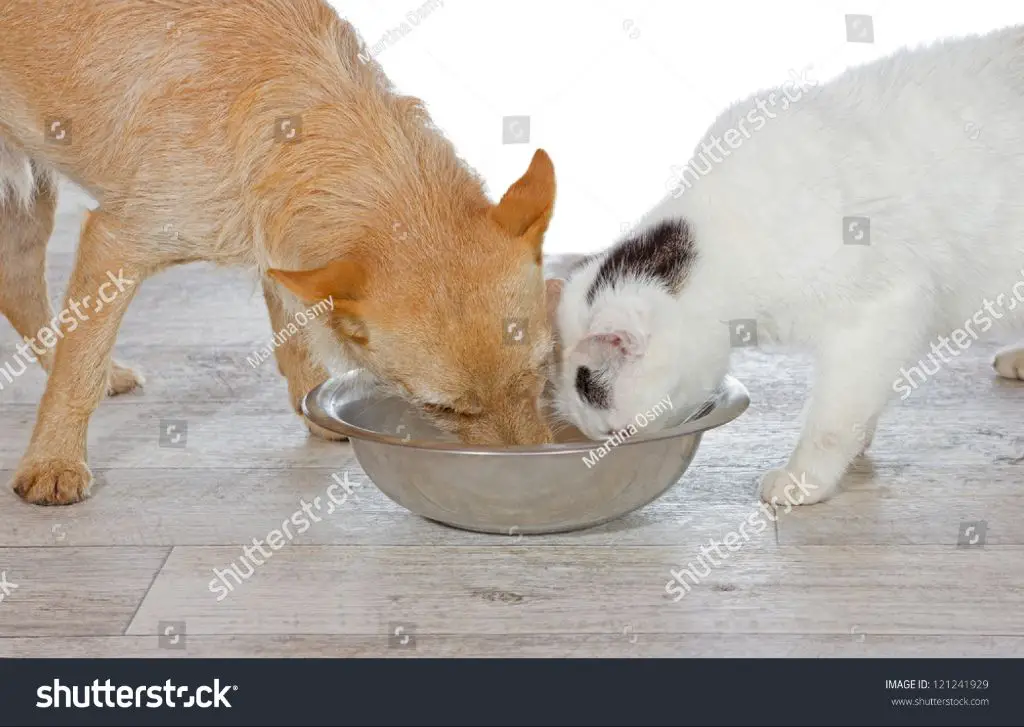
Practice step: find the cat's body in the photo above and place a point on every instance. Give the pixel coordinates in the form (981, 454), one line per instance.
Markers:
(869, 217)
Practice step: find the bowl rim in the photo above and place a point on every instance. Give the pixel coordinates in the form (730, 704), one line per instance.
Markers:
(731, 400)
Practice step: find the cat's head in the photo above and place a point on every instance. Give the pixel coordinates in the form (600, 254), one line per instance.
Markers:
(626, 341)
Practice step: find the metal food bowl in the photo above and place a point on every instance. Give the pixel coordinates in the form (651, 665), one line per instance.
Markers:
(509, 490)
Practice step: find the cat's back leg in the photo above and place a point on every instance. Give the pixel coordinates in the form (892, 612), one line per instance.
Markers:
(1009, 363)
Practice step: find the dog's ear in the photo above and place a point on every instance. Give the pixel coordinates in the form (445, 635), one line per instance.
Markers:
(526, 208)
(342, 281)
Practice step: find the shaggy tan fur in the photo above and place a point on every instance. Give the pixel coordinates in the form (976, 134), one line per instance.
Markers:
(252, 133)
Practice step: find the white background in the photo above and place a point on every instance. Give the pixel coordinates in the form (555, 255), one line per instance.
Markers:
(618, 92)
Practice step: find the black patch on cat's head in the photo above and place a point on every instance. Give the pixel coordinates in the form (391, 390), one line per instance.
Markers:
(591, 389)
(663, 253)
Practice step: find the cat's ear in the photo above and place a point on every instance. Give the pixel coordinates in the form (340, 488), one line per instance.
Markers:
(342, 281)
(614, 346)
(525, 209)
(618, 334)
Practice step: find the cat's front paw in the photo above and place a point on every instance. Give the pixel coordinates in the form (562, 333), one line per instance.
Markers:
(783, 488)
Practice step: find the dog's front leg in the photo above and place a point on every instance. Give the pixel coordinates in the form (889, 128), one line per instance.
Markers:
(295, 360)
(53, 470)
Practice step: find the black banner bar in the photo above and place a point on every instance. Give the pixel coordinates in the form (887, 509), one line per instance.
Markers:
(511, 692)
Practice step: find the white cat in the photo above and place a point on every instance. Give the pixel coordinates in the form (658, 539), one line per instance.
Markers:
(868, 217)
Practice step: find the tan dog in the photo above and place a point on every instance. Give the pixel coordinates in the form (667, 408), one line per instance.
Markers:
(252, 133)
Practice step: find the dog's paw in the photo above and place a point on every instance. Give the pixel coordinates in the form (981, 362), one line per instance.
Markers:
(122, 379)
(320, 432)
(1009, 363)
(781, 488)
(52, 481)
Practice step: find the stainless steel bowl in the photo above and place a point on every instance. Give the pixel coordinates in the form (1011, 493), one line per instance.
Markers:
(522, 489)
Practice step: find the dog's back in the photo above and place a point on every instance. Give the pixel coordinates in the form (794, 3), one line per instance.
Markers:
(173, 103)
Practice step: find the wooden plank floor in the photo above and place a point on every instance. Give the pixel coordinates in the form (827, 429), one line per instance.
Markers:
(874, 572)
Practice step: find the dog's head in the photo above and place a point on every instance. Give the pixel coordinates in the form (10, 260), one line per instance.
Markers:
(448, 308)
